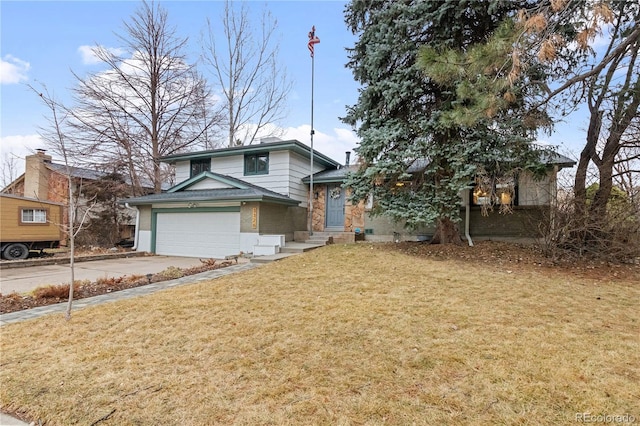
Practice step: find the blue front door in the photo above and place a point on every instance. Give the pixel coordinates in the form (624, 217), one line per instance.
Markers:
(335, 207)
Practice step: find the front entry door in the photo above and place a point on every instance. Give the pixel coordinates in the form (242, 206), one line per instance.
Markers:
(335, 207)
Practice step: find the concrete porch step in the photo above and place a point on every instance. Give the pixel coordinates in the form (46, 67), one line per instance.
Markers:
(328, 237)
(297, 247)
(271, 257)
(317, 241)
(291, 248)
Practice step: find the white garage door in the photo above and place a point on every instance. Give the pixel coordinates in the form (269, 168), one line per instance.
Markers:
(198, 234)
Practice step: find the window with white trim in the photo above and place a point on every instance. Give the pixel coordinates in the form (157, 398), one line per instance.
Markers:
(34, 216)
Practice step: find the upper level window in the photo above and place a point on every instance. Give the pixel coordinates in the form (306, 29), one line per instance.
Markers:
(199, 166)
(256, 164)
(34, 216)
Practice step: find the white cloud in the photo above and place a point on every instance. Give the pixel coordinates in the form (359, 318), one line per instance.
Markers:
(16, 148)
(13, 70)
(90, 58)
(332, 145)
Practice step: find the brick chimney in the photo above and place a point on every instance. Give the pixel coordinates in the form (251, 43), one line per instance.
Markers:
(36, 175)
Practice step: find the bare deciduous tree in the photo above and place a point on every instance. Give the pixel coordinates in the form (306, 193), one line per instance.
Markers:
(567, 38)
(8, 170)
(59, 140)
(627, 166)
(147, 105)
(245, 65)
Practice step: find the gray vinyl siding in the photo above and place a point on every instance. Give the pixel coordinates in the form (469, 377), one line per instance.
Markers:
(231, 166)
(286, 171)
(183, 171)
(533, 192)
(298, 169)
(276, 180)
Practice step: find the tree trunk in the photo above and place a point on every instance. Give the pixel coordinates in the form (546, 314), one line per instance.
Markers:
(587, 155)
(447, 232)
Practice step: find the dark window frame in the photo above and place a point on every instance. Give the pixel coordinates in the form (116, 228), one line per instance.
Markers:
(252, 165)
(198, 166)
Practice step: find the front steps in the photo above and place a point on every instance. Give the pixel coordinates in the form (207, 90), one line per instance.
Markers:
(273, 247)
(291, 248)
(268, 245)
(328, 237)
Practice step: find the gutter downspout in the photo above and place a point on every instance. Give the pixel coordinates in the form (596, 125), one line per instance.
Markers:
(467, 216)
(135, 235)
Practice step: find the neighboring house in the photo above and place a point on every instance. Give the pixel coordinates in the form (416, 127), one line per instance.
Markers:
(229, 199)
(45, 180)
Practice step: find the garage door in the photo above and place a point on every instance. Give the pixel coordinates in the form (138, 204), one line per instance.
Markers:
(198, 234)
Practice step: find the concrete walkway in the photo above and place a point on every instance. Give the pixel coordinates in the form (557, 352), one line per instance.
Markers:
(26, 279)
(123, 294)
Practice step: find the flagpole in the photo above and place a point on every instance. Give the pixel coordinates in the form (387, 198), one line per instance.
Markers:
(311, 197)
(312, 41)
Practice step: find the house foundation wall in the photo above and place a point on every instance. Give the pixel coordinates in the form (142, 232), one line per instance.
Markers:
(270, 218)
(281, 219)
(523, 223)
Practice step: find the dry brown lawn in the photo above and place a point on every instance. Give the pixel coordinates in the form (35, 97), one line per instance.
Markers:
(347, 335)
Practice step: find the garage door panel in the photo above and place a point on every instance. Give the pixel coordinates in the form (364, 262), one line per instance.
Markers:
(198, 234)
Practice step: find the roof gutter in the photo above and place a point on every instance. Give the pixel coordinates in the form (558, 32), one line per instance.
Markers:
(467, 217)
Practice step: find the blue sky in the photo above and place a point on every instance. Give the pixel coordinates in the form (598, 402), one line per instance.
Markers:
(40, 42)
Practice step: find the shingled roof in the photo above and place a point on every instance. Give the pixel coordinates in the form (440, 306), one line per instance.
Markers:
(340, 174)
(240, 191)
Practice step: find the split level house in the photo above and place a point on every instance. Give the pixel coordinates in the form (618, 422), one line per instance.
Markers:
(255, 198)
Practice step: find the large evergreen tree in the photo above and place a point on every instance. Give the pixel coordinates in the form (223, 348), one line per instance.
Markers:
(418, 151)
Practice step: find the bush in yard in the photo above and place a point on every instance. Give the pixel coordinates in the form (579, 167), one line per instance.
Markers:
(612, 237)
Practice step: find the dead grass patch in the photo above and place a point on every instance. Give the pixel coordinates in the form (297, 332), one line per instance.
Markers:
(358, 334)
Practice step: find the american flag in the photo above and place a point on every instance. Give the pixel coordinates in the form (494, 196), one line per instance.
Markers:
(312, 39)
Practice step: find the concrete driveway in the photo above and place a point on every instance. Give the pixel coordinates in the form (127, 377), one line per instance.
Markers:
(23, 280)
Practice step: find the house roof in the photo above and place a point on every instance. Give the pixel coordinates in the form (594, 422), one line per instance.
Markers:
(555, 159)
(340, 174)
(81, 173)
(75, 172)
(238, 190)
(333, 175)
(288, 145)
(92, 174)
(18, 197)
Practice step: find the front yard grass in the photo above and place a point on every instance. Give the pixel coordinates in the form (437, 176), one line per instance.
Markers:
(355, 334)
